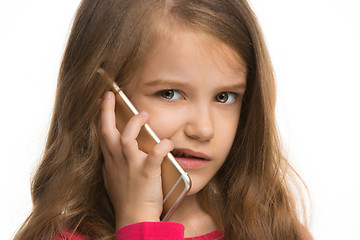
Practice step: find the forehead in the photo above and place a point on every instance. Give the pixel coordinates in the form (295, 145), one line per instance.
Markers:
(189, 54)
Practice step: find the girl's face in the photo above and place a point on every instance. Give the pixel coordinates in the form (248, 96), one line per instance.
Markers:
(192, 85)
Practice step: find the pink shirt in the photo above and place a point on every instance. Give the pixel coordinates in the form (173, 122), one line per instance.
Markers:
(152, 231)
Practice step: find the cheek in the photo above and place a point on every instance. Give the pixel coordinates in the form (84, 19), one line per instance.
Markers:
(226, 133)
(163, 123)
(162, 120)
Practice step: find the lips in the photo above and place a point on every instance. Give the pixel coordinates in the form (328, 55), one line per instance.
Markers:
(187, 153)
(190, 159)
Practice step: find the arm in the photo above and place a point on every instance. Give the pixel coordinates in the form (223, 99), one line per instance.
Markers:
(150, 231)
(138, 231)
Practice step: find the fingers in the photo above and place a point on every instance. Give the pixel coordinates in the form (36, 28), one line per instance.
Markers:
(131, 131)
(115, 146)
(107, 120)
(157, 155)
(124, 147)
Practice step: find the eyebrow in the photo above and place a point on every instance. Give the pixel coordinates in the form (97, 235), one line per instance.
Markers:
(163, 82)
(155, 82)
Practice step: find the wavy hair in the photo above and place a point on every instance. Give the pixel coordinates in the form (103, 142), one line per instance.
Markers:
(250, 197)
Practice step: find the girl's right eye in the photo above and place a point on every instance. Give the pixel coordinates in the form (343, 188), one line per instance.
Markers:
(170, 94)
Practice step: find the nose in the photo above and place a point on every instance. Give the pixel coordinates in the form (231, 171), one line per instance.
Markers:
(199, 124)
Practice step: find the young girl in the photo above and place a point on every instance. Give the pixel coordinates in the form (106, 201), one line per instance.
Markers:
(200, 74)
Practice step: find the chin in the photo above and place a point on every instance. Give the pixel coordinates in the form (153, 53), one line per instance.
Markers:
(197, 185)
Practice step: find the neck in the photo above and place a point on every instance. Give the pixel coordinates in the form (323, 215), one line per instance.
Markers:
(196, 221)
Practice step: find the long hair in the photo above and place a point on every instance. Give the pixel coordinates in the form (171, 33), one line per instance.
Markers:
(249, 197)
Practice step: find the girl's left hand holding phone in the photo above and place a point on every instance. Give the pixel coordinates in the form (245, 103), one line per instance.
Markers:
(132, 178)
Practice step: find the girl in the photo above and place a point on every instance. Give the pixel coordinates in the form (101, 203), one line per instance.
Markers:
(200, 73)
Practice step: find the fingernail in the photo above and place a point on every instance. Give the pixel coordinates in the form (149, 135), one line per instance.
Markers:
(108, 95)
(144, 113)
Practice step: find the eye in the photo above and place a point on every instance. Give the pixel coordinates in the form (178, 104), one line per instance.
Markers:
(226, 97)
(170, 94)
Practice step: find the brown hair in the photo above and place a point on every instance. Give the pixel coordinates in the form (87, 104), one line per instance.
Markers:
(249, 197)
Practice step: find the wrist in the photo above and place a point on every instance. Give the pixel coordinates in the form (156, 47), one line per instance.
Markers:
(135, 214)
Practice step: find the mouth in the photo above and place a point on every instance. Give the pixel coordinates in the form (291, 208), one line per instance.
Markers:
(190, 159)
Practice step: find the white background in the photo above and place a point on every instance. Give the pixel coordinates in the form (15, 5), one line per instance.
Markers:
(314, 45)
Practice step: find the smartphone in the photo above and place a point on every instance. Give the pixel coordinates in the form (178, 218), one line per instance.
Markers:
(176, 183)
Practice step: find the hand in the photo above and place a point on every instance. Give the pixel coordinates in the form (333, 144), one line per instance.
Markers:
(132, 178)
